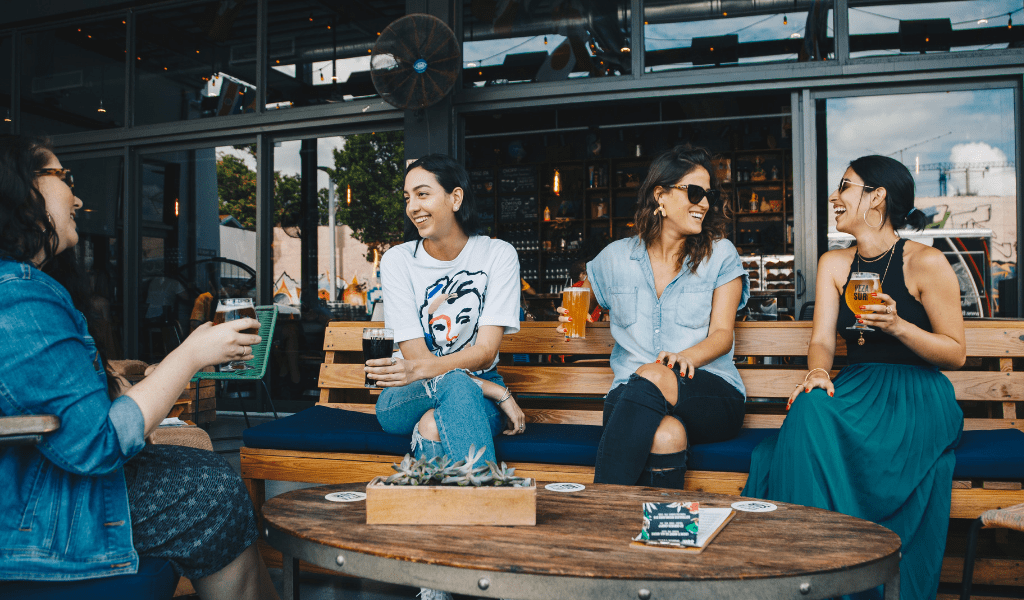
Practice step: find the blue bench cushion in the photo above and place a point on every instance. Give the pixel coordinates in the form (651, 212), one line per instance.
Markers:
(154, 580)
(322, 429)
(996, 454)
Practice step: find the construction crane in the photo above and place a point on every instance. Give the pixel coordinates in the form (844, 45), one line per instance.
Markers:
(945, 168)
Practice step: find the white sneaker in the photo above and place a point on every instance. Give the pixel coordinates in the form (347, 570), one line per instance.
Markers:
(429, 594)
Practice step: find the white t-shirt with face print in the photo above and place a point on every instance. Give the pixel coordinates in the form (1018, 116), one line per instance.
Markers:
(446, 302)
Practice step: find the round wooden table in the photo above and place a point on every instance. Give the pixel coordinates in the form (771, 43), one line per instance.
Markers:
(580, 548)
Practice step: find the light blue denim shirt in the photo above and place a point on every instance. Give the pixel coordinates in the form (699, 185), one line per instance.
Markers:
(643, 324)
(64, 507)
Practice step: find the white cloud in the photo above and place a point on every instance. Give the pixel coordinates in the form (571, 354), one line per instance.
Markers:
(995, 181)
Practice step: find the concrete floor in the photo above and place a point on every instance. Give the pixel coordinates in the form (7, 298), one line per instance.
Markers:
(312, 586)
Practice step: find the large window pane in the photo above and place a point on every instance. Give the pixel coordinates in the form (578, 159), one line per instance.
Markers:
(99, 183)
(518, 41)
(960, 148)
(369, 216)
(72, 78)
(191, 256)
(6, 47)
(195, 61)
(919, 27)
(691, 33)
(320, 52)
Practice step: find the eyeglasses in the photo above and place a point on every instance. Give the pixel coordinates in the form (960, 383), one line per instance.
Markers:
(846, 183)
(695, 193)
(63, 174)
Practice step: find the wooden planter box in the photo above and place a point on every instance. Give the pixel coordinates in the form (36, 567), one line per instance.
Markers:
(450, 505)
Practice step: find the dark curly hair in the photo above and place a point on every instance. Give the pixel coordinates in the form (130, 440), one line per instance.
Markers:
(666, 170)
(25, 227)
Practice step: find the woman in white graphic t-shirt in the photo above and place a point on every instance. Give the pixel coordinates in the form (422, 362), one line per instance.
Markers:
(449, 295)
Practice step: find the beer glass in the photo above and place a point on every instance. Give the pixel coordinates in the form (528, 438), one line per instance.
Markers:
(576, 301)
(377, 343)
(232, 309)
(858, 293)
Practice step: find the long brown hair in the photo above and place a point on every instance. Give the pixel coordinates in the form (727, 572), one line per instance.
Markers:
(666, 170)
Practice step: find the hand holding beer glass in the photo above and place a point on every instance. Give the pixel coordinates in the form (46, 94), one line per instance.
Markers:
(858, 293)
(232, 309)
(377, 343)
(575, 306)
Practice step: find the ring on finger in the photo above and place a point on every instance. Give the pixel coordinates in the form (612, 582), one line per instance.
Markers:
(393, 361)
(888, 310)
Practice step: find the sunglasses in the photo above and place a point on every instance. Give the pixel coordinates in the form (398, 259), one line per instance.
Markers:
(63, 174)
(844, 184)
(695, 193)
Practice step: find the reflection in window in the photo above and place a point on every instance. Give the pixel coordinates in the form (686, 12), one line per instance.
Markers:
(195, 61)
(320, 52)
(72, 78)
(518, 40)
(911, 28)
(191, 256)
(960, 147)
(690, 34)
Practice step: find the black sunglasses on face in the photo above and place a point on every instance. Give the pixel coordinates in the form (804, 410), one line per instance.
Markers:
(63, 174)
(844, 184)
(695, 193)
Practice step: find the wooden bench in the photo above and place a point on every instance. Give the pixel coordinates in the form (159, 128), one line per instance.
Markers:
(988, 389)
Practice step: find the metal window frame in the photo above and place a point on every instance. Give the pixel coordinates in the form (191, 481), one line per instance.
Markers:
(805, 161)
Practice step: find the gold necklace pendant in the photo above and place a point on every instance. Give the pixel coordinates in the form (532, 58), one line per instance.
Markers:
(860, 341)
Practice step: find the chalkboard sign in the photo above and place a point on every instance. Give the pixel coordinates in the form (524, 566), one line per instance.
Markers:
(482, 181)
(518, 209)
(513, 180)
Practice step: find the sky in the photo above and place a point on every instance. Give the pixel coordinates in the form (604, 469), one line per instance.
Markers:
(968, 126)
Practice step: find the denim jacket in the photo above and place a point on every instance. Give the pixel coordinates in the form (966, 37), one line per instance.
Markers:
(64, 509)
(644, 324)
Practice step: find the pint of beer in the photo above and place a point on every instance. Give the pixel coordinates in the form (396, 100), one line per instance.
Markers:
(576, 300)
(232, 309)
(858, 293)
(377, 343)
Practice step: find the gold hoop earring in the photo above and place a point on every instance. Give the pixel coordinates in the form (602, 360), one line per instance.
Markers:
(661, 210)
(880, 219)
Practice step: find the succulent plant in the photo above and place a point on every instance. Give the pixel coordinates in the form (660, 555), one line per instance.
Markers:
(441, 470)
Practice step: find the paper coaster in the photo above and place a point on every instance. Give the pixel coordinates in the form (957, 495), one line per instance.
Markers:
(565, 487)
(752, 506)
(346, 496)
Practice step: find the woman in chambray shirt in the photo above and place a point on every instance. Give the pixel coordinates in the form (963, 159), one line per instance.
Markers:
(92, 497)
(673, 292)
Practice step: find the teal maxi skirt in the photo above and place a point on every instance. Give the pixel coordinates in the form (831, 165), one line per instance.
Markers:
(880, 450)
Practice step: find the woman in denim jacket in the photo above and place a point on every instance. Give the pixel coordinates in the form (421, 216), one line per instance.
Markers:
(92, 497)
(673, 292)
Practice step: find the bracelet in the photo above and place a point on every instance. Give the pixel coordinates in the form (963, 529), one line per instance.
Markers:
(508, 394)
(818, 369)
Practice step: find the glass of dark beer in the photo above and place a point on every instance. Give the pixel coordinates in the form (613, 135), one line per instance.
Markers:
(377, 343)
(232, 309)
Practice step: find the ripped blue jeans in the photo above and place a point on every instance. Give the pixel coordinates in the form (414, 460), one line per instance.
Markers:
(463, 415)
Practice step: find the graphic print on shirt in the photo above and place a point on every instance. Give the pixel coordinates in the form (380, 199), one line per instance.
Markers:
(451, 309)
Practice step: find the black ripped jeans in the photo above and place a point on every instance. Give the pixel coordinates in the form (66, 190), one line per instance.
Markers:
(710, 409)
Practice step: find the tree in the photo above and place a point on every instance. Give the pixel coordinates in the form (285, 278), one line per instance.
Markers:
(373, 164)
(236, 190)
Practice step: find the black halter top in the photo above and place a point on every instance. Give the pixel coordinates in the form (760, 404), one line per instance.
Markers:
(880, 347)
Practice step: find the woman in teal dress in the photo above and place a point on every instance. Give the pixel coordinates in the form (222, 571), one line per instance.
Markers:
(877, 443)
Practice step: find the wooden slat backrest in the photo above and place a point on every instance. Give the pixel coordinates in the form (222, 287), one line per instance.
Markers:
(1001, 339)
(985, 339)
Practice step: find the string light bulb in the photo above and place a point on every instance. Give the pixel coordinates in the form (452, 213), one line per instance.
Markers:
(556, 186)
(545, 40)
(321, 76)
(348, 195)
(785, 20)
(7, 116)
(1009, 21)
(101, 109)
